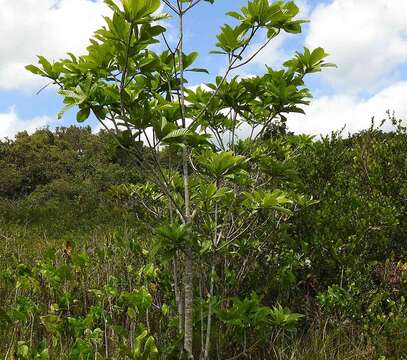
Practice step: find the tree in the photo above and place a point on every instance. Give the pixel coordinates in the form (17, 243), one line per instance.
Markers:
(214, 187)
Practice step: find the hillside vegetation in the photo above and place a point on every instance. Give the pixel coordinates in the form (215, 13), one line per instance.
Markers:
(87, 268)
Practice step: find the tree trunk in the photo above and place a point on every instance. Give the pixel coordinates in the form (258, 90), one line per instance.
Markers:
(189, 298)
(209, 320)
(178, 296)
(188, 272)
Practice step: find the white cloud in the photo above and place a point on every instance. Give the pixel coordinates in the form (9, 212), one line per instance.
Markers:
(47, 27)
(329, 113)
(11, 124)
(367, 39)
(272, 55)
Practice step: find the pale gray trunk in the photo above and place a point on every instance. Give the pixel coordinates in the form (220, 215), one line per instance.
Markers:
(209, 322)
(178, 296)
(212, 279)
(189, 297)
(188, 272)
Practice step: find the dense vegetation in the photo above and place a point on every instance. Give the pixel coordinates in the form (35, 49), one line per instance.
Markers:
(195, 226)
(81, 278)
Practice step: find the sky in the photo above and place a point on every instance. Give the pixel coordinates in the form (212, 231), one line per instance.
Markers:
(367, 39)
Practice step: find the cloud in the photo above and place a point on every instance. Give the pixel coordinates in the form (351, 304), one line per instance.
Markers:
(329, 113)
(366, 39)
(47, 27)
(11, 124)
(272, 55)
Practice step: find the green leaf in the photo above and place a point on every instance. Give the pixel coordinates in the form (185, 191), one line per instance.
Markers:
(221, 164)
(138, 343)
(268, 200)
(230, 38)
(176, 233)
(156, 30)
(200, 70)
(112, 5)
(165, 309)
(217, 52)
(182, 137)
(83, 114)
(47, 66)
(189, 59)
(284, 318)
(137, 10)
(317, 55)
(177, 134)
(23, 350)
(150, 349)
(64, 110)
(236, 15)
(35, 70)
(294, 27)
(74, 97)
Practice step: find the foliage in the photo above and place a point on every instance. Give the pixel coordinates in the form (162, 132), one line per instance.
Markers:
(48, 282)
(192, 218)
(121, 80)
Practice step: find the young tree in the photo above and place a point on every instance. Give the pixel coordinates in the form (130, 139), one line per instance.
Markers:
(215, 187)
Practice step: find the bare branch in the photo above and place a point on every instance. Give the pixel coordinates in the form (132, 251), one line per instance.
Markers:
(172, 7)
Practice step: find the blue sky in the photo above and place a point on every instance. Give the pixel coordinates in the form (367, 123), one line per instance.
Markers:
(367, 39)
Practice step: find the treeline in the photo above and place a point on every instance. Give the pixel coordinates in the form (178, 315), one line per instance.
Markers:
(82, 276)
(57, 181)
